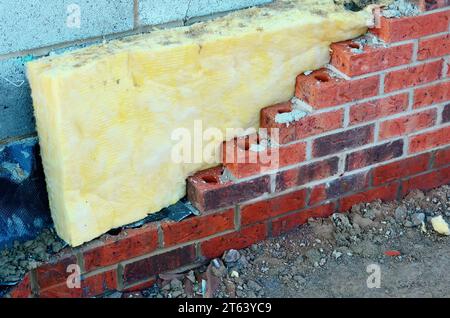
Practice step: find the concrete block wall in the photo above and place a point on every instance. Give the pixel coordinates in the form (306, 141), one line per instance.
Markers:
(380, 129)
(34, 28)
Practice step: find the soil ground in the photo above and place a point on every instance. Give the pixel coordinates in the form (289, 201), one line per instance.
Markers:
(334, 257)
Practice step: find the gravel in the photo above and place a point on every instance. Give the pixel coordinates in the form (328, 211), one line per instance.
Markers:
(18, 260)
(329, 257)
(400, 8)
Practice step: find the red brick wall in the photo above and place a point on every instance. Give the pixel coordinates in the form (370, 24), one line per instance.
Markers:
(380, 128)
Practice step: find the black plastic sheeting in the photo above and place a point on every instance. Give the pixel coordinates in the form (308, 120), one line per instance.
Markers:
(24, 209)
(176, 212)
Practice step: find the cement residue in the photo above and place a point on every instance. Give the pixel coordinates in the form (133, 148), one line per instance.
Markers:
(290, 117)
(358, 5)
(400, 8)
(369, 40)
(300, 110)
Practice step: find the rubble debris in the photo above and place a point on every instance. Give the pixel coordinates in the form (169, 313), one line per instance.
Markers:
(392, 253)
(18, 260)
(231, 256)
(400, 8)
(440, 225)
(304, 261)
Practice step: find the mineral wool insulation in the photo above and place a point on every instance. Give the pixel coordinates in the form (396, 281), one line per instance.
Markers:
(105, 114)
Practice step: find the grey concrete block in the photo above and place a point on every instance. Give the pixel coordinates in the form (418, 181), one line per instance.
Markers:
(16, 111)
(161, 11)
(27, 24)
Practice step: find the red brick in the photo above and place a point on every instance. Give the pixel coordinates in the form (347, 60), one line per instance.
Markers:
(154, 265)
(91, 286)
(286, 134)
(55, 272)
(434, 47)
(430, 140)
(428, 5)
(406, 28)
(238, 240)
(347, 184)
(370, 156)
(378, 108)
(292, 221)
(242, 162)
(99, 284)
(318, 194)
(385, 193)
(400, 169)
(433, 94)
(239, 160)
(290, 155)
(427, 181)
(263, 210)
(308, 126)
(23, 289)
(442, 157)
(323, 89)
(61, 291)
(341, 141)
(371, 59)
(319, 123)
(407, 124)
(412, 76)
(113, 249)
(305, 174)
(207, 192)
(197, 227)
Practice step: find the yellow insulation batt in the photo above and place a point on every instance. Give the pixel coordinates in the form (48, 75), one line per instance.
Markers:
(105, 114)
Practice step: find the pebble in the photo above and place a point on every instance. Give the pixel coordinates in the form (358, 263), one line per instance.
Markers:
(177, 294)
(400, 213)
(191, 277)
(418, 218)
(253, 285)
(299, 279)
(337, 254)
(176, 284)
(231, 256)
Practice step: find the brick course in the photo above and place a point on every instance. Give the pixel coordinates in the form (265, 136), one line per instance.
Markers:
(371, 144)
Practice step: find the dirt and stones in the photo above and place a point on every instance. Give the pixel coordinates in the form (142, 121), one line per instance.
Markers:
(18, 260)
(334, 257)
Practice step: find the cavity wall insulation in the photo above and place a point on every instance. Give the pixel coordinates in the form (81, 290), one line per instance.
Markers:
(105, 114)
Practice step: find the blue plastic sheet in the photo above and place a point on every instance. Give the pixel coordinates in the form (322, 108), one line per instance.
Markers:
(24, 209)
